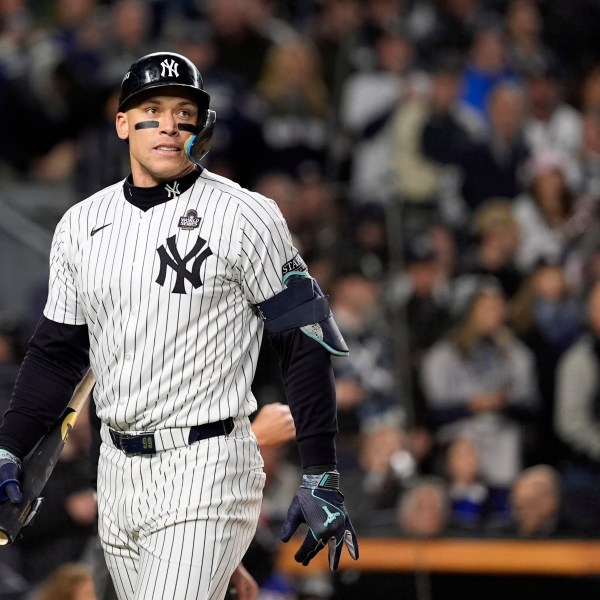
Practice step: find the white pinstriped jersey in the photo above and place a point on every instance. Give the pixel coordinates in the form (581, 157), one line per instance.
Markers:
(174, 337)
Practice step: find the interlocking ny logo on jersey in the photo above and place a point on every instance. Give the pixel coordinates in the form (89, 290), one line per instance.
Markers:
(169, 66)
(331, 516)
(179, 264)
(173, 190)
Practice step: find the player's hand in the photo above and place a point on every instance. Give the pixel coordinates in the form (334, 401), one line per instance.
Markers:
(10, 468)
(243, 585)
(319, 503)
(274, 425)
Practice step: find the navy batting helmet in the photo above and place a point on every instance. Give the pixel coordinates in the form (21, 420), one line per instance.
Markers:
(168, 69)
(162, 69)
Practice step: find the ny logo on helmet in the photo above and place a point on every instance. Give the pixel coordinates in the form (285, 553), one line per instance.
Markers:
(170, 66)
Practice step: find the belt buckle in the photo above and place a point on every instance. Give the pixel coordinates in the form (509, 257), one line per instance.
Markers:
(120, 440)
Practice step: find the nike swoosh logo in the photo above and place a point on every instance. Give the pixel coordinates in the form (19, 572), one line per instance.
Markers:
(95, 230)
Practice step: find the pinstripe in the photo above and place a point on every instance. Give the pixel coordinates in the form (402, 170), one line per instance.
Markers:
(177, 522)
(187, 556)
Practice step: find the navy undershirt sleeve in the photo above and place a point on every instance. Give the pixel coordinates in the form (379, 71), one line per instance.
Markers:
(56, 359)
(310, 391)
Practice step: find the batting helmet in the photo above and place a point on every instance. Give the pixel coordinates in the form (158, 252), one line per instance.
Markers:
(167, 69)
(163, 69)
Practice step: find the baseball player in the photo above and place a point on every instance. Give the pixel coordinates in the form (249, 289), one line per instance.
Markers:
(164, 283)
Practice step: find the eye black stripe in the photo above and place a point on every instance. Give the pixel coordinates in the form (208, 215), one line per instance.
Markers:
(146, 124)
(195, 129)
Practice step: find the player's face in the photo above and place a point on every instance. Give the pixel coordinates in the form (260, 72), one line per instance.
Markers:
(155, 140)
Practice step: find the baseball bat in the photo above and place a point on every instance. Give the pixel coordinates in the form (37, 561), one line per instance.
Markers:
(39, 464)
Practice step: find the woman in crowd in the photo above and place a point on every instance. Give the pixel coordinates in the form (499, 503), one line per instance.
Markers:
(479, 381)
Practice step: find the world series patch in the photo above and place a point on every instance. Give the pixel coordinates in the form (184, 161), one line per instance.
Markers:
(190, 221)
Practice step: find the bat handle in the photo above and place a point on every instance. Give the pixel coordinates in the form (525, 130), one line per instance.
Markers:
(25, 518)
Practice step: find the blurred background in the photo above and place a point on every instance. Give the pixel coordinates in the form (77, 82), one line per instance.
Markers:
(438, 164)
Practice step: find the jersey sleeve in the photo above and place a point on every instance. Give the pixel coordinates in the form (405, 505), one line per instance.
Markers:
(268, 259)
(63, 304)
(267, 251)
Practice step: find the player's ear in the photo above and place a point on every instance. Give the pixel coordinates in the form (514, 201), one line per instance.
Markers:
(122, 125)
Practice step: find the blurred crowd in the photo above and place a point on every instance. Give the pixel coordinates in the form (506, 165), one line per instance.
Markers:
(438, 164)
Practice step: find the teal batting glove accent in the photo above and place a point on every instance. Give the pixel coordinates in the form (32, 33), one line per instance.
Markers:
(331, 517)
(319, 504)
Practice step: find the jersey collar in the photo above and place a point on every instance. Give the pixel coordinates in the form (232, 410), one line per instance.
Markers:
(145, 198)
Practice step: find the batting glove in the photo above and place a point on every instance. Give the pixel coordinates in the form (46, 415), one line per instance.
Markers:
(319, 503)
(10, 468)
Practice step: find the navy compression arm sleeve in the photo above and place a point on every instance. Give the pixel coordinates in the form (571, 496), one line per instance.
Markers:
(54, 364)
(310, 391)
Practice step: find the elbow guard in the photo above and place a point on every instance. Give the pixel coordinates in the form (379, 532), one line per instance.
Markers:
(302, 304)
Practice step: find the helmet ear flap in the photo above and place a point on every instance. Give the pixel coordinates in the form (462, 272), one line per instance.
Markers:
(197, 146)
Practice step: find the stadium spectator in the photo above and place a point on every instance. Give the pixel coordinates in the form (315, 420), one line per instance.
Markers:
(307, 205)
(418, 303)
(494, 244)
(551, 122)
(468, 493)
(545, 314)
(453, 27)
(387, 466)
(479, 381)
(492, 167)
(241, 46)
(58, 88)
(523, 26)
(365, 383)
(544, 212)
(535, 504)
(16, 23)
(334, 30)
(101, 156)
(262, 16)
(127, 37)
(292, 110)
(577, 423)
(424, 509)
(430, 135)
(486, 68)
(369, 100)
(365, 248)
